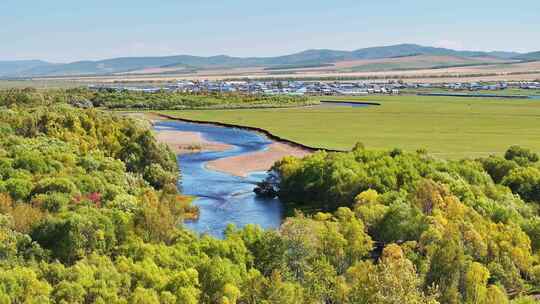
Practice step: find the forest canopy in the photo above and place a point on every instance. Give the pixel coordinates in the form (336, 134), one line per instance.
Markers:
(450, 217)
(90, 213)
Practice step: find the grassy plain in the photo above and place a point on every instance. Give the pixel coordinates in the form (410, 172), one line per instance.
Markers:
(42, 84)
(446, 126)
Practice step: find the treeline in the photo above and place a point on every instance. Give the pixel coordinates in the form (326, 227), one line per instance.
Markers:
(113, 99)
(456, 221)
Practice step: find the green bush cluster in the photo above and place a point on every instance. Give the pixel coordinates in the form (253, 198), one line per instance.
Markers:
(456, 221)
(182, 101)
(113, 99)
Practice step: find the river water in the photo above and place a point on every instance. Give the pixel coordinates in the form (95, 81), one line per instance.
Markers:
(223, 198)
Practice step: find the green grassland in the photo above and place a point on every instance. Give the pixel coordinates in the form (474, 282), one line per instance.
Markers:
(446, 126)
(41, 84)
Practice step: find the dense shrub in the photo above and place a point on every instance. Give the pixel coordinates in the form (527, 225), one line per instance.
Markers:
(112, 99)
(460, 221)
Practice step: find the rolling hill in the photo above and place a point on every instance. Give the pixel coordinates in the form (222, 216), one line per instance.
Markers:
(20, 67)
(168, 64)
(416, 62)
(535, 56)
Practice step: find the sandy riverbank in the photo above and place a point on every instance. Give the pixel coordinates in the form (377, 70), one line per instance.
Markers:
(242, 165)
(182, 142)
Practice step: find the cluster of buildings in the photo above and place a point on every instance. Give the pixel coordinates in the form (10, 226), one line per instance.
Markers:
(535, 85)
(286, 87)
(317, 87)
(475, 86)
(269, 87)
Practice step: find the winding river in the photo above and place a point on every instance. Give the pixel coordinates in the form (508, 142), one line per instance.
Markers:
(223, 198)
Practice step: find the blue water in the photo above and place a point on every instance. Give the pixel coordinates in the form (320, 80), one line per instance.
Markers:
(534, 97)
(223, 198)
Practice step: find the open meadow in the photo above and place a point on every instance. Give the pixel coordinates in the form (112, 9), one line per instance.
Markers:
(448, 127)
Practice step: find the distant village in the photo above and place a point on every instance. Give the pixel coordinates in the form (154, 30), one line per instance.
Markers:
(315, 88)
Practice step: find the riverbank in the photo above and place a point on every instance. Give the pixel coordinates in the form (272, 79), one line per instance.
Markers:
(183, 142)
(243, 165)
(262, 131)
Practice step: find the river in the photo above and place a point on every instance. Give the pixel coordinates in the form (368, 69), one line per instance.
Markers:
(223, 198)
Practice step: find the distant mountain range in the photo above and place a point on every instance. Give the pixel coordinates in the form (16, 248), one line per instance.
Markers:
(535, 56)
(307, 58)
(20, 66)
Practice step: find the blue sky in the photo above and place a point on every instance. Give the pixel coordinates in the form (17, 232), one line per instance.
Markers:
(68, 30)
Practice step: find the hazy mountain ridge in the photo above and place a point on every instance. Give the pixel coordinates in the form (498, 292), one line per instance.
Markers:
(308, 57)
(8, 68)
(534, 56)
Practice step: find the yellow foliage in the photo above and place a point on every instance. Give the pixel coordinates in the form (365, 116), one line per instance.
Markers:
(369, 196)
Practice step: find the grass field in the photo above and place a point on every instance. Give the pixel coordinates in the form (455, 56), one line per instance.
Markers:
(446, 126)
(41, 84)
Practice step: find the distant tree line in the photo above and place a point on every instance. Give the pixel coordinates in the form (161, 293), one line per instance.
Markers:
(162, 100)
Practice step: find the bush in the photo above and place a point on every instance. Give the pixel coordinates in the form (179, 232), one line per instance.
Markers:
(524, 181)
(18, 188)
(158, 177)
(51, 185)
(521, 155)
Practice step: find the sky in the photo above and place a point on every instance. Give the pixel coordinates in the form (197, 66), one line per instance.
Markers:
(68, 30)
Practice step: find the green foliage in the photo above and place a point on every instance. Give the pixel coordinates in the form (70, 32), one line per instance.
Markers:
(524, 181)
(521, 155)
(180, 101)
(90, 213)
(111, 99)
(469, 237)
(74, 235)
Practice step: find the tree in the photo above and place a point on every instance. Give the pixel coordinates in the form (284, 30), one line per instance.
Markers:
(280, 292)
(184, 285)
(18, 188)
(396, 280)
(521, 155)
(496, 295)
(215, 274)
(393, 280)
(498, 167)
(445, 270)
(69, 292)
(22, 285)
(144, 296)
(74, 235)
(476, 290)
(524, 181)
